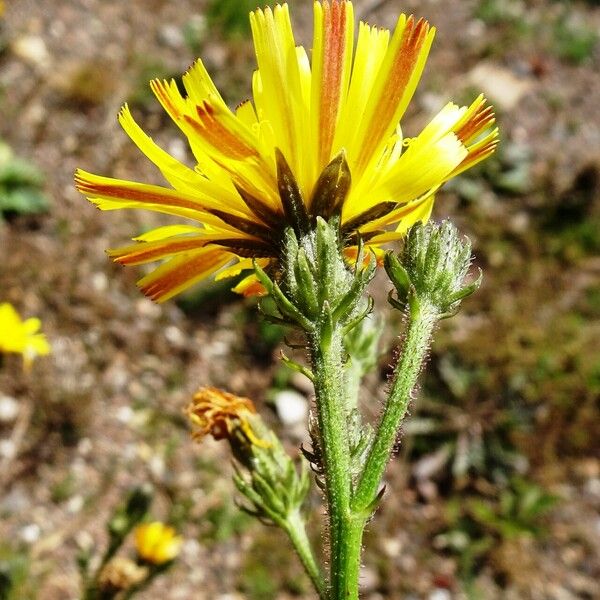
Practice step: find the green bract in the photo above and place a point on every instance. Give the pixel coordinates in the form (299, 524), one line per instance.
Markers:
(431, 269)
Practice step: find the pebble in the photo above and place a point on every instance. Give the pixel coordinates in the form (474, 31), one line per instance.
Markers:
(32, 49)
(30, 533)
(147, 308)
(9, 409)
(175, 336)
(392, 547)
(15, 501)
(439, 594)
(100, 282)
(171, 36)
(75, 504)
(124, 414)
(369, 579)
(504, 88)
(7, 449)
(291, 407)
(191, 549)
(177, 148)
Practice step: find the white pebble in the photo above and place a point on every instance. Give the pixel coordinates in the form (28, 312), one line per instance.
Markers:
(30, 533)
(9, 409)
(291, 407)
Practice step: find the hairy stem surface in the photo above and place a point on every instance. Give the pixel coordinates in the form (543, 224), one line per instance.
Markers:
(294, 527)
(344, 533)
(416, 344)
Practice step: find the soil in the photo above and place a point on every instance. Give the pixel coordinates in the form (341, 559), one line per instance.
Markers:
(104, 412)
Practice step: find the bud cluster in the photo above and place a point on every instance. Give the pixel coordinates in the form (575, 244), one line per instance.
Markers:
(431, 269)
(316, 289)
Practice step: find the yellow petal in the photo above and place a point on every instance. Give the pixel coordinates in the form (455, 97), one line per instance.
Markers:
(183, 271)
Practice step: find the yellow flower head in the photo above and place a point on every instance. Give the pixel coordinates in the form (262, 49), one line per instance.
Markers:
(157, 543)
(20, 336)
(222, 414)
(320, 138)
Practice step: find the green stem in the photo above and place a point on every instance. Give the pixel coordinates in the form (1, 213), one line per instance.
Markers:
(345, 531)
(294, 527)
(416, 344)
(353, 377)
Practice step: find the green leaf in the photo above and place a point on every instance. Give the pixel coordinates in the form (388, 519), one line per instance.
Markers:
(23, 201)
(17, 172)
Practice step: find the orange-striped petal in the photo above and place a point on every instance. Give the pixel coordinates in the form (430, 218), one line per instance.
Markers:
(331, 66)
(183, 271)
(394, 87)
(144, 252)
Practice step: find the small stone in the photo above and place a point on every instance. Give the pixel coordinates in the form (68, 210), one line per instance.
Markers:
(9, 409)
(85, 446)
(75, 504)
(502, 86)
(30, 533)
(175, 336)
(124, 414)
(392, 547)
(369, 579)
(291, 407)
(100, 282)
(15, 501)
(157, 466)
(7, 449)
(191, 549)
(147, 308)
(32, 49)
(178, 149)
(439, 594)
(171, 36)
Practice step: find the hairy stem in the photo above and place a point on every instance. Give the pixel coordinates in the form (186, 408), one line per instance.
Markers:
(296, 530)
(416, 344)
(344, 531)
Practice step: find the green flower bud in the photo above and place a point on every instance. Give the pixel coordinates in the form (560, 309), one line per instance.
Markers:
(431, 269)
(317, 288)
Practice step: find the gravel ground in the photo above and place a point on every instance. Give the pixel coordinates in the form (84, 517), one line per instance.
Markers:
(104, 411)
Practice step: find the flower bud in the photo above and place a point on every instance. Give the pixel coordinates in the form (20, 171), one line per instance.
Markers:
(121, 574)
(431, 269)
(265, 474)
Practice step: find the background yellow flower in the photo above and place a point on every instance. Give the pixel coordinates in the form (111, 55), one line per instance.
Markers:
(157, 543)
(20, 336)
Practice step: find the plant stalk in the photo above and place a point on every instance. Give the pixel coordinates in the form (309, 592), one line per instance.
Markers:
(294, 527)
(345, 531)
(416, 344)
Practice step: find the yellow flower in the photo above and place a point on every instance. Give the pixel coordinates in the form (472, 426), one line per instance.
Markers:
(221, 414)
(157, 543)
(20, 336)
(321, 138)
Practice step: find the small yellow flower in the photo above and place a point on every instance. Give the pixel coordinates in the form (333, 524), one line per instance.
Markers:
(157, 543)
(321, 138)
(21, 337)
(220, 414)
